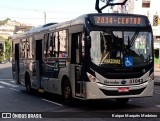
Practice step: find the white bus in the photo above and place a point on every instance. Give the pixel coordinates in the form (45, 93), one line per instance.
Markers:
(95, 56)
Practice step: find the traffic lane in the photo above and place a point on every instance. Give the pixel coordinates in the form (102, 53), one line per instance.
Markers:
(80, 106)
(17, 100)
(144, 104)
(6, 71)
(17, 97)
(149, 104)
(48, 102)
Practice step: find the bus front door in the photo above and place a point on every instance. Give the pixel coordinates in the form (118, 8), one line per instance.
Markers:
(39, 63)
(77, 60)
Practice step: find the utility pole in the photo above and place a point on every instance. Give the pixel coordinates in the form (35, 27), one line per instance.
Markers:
(44, 17)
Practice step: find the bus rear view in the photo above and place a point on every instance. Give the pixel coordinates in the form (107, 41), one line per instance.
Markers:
(121, 57)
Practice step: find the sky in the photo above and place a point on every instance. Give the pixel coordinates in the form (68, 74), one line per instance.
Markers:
(33, 11)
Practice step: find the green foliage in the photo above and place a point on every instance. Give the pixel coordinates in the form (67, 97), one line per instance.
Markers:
(7, 50)
(4, 21)
(7, 45)
(156, 60)
(7, 54)
(1, 57)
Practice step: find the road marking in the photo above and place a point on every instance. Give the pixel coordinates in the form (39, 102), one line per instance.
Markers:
(52, 102)
(12, 82)
(8, 84)
(157, 106)
(1, 86)
(15, 89)
(157, 93)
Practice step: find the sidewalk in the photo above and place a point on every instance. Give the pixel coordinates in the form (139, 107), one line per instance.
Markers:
(157, 75)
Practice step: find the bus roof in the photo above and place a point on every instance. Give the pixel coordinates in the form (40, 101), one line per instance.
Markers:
(79, 20)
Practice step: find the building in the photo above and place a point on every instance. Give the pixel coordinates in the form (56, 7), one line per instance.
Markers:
(7, 29)
(149, 8)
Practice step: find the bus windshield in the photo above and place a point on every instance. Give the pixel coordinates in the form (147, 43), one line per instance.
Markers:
(121, 48)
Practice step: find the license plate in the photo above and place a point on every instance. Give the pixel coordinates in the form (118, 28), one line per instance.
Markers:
(123, 89)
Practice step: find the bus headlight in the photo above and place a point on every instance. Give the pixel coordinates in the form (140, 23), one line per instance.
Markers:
(92, 78)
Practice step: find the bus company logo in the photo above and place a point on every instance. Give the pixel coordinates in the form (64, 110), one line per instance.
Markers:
(6, 115)
(123, 82)
(108, 82)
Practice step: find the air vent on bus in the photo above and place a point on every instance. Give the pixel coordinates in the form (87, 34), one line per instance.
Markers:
(48, 24)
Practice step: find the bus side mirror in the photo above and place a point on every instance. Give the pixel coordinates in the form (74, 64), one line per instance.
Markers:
(88, 41)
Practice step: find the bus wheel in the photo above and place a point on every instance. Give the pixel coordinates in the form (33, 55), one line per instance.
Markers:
(66, 90)
(28, 84)
(122, 100)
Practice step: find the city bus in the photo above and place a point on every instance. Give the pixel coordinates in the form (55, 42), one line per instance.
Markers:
(95, 56)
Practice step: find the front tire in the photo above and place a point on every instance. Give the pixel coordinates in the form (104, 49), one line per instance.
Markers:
(67, 92)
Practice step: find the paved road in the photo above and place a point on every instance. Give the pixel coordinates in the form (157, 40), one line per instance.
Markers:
(5, 71)
(15, 99)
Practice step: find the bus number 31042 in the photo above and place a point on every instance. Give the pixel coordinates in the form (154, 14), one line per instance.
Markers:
(135, 81)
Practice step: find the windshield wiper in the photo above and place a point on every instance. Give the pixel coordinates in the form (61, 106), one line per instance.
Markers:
(131, 42)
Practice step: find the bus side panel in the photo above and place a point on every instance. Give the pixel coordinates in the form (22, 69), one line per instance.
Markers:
(54, 83)
(22, 65)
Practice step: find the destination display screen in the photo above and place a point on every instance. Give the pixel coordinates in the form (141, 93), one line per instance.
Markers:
(119, 20)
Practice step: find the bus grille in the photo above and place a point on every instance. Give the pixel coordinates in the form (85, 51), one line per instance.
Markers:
(116, 93)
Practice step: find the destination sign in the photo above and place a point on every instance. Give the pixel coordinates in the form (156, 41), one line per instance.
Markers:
(112, 61)
(119, 21)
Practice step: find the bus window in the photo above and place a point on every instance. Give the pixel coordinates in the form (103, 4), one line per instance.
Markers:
(46, 36)
(76, 48)
(56, 39)
(113, 48)
(63, 42)
(23, 48)
(29, 47)
(51, 45)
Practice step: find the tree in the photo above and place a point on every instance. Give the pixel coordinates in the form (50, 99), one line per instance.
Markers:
(1, 53)
(7, 49)
(4, 21)
(5, 55)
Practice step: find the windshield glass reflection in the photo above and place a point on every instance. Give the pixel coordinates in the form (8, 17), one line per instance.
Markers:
(121, 48)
